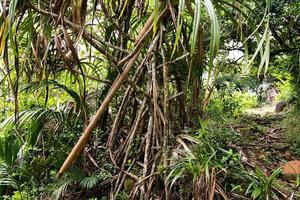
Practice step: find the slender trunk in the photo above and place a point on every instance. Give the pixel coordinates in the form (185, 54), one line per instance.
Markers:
(166, 131)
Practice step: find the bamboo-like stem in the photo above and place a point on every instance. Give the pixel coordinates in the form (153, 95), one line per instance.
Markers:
(147, 149)
(125, 102)
(148, 25)
(130, 138)
(166, 112)
(141, 36)
(88, 131)
(115, 87)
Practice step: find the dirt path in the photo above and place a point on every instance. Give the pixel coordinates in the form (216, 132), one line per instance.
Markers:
(262, 144)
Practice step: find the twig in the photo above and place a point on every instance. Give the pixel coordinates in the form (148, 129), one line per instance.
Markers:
(91, 39)
(174, 61)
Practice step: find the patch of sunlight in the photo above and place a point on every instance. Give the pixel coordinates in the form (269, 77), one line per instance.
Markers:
(266, 110)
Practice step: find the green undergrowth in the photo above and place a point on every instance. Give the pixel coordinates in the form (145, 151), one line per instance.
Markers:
(32, 153)
(230, 104)
(291, 129)
(209, 159)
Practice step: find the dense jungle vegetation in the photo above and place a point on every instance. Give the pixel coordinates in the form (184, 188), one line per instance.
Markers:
(149, 99)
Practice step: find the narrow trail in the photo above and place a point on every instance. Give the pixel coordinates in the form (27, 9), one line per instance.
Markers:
(262, 144)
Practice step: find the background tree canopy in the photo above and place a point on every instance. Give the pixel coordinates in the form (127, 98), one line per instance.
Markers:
(152, 91)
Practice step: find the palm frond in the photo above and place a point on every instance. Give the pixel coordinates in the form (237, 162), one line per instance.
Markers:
(89, 182)
(44, 83)
(9, 148)
(214, 36)
(196, 24)
(5, 176)
(57, 194)
(181, 8)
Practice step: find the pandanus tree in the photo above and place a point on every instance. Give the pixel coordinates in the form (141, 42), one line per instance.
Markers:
(156, 62)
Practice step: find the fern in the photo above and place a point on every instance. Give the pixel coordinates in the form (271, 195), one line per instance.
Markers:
(77, 177)
(9, 148)
(5, 177)
(89, 182)
(61, 190)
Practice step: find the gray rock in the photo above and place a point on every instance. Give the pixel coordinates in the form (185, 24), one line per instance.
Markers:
(280, 106)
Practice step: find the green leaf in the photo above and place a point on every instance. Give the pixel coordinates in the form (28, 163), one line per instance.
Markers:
(266, 56)
(71, 92)
(196, 24)
(89, 182)
(181, 7)
(256, 192)
(9, 148)
(214, 36)
(155, 17)
(124, 7)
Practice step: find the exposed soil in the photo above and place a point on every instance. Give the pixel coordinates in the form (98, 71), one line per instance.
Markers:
(262, 144)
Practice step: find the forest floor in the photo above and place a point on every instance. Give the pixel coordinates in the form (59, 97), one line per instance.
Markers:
(262, 143)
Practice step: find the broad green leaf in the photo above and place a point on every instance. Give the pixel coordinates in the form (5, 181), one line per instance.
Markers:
(181, 7)
(214, 36)
(196, 24)
(3, 34)
(155, 18)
